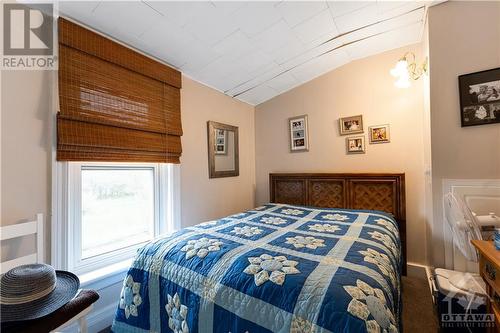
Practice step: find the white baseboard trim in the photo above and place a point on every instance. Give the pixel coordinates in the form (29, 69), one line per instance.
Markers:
(97, 320)
(416, 270)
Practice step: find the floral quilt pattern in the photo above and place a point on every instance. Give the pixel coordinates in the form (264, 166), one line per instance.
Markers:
(276, 268)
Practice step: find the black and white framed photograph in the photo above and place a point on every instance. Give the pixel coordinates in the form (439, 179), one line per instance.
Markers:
(480, 98)
(299, 140)
(355, 145)
(220, 142)
(351, 125)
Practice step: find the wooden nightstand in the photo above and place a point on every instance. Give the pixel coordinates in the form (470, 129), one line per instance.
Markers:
(489, 268)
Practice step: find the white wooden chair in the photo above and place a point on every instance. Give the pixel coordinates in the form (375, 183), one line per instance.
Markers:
(36, 228)
(20, 230)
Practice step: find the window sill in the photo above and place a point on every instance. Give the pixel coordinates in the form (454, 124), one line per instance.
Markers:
(106, 276)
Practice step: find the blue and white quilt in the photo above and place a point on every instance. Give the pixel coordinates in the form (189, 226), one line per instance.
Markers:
(277, 268)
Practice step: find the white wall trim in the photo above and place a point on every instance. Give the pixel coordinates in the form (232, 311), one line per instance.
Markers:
(416, 270)
(174, 197)
(60, 214)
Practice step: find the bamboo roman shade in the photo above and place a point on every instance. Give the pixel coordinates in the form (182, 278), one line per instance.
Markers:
(116, 105)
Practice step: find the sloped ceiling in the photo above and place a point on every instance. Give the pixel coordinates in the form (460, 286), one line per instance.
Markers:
(253, 50)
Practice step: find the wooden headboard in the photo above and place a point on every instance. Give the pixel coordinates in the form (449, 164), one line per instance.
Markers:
(372, 191)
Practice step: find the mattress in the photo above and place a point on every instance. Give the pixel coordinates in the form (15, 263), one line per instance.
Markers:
(276, 268)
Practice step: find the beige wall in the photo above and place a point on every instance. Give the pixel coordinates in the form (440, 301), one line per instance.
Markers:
(204, 198)
(361, 87)
(26, 145)
(464, 37)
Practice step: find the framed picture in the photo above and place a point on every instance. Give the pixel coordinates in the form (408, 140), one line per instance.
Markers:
(220, 142)
(299, 139)
(480, 97)
(355, 145)
(379, 134)
(351, 125)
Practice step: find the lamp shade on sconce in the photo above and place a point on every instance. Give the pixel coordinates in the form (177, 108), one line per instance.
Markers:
(406, 68)
(400, 71)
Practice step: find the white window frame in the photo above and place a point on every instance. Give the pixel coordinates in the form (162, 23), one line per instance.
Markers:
(66, 222)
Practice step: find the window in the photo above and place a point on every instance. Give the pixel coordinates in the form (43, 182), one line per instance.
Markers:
(118, 209)
(112, 209)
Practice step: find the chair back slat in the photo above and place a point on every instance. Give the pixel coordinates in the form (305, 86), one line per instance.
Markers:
(20, 230)
(40, 249)
(7, 265)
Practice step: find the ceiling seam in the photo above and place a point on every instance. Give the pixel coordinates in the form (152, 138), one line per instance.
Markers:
(321, 44)
(319, 55)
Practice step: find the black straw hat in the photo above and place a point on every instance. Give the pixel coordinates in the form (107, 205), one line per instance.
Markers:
(33, 291)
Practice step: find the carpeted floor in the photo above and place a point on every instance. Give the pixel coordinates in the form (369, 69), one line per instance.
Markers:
(418, 311)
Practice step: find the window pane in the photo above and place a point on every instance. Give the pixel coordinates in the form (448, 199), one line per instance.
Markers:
(117, 208)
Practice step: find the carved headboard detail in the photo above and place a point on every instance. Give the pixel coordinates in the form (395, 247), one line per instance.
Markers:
(372, 191)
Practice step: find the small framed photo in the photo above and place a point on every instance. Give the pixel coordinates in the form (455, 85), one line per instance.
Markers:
(379, 134)
(351, 125)
(480, 98)
(355, 145)
(299, 140)
(220, 142)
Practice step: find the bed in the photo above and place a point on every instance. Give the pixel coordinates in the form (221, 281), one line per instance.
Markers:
(293, 265)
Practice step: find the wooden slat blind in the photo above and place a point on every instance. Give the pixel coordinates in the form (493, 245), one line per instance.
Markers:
(115, 104)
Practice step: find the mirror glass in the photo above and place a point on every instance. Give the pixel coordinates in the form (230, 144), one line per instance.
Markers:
(223, 150)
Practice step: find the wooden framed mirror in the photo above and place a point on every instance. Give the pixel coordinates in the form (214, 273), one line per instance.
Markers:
(223, 160)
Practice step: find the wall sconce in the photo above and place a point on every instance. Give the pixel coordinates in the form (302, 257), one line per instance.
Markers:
(406, 69)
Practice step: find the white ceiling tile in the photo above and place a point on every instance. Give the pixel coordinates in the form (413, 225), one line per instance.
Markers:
(401, 10)
(339, 8)
(357, 19)
(385, 6)
(256, 16)
(235, 45)
(228, 7)
(197, 56)
(320, 25)
(312, 53)
(211, 29)
(169, 41)
(220, 82)
(237, 71)
(182, 12)
(246, 69)
(287, 52)
(255, 60)
(126, 17)
(386, 26)
(295, 12)
(320, 65)
(252, 78)
(282, 82)
(79, 10)
(258, 95)
(275, 37)
(220, 67)
(385, 42)
(257, 78)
